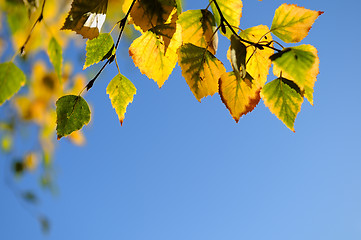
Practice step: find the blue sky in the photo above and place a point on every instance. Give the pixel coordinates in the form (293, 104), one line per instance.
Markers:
(178, 169)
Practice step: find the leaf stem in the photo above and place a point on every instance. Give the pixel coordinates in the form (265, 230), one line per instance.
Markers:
(39, 19)
(112, 57)
(224, 20)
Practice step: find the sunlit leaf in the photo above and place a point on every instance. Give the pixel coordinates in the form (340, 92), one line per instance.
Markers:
(300, 65)
(11, 80)
(98, 49)
(292, 23)
(150, 13)
(232, 12)
(72, 114)
(239, 95)
(257, 60)
(6, 143)
(201, 69)
(121, 92)
(55, 55)
(31, 161)
(284, 99)
(86, 17)
(198, 27)
(153, 57)
(44, 85)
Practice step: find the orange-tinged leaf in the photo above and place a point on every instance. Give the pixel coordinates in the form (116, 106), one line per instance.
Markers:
(198, 27)
(240, 96)
(258, 62)
(292, 23)
(299, 64)
(201, 69)
(153, 57)
(232, 12)
(150, 13)
(284, 99)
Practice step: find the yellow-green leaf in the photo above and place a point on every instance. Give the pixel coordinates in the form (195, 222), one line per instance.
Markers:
(232, 12)
(239, 95)
(72, 113)
(11, 80)
(201, 69)
(121, 92)
(153, 56)
(98, 49)
(198, 27)
(284, 99)
(292, 23)
(86, 17)
(257, 60)
(55, 55)
(299, 64)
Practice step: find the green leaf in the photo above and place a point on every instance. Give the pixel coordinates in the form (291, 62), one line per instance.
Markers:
(292, 23)
(17, 16)
(98, 49)
(198, 28)
(11, 80)
(201, 69)
(72, 114)
(86, 17)
(299, 64)
(55, 55)
(121, 92)
(284, 99)
(232, 12)
(30, 197)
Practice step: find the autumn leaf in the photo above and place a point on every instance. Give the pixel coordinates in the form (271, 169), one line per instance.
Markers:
(201, 69)
(86, 17)
(121, 92)
(151, 54)
(150, 13)
(239, 95)
(11, 80)
(98, 49)
(198, 28)
(72, 113)
(232, 12)
(299, 64)
(257, 60)
(55, 55)
(284, 99)
(292, 23)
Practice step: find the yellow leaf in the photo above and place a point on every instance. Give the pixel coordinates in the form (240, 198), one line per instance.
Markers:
(151, 55)
(198, 28)
(201, 69)
(77, 138)
(232, 12)
(31, 161)
(292, 23)
(240, 96)
(258, 62)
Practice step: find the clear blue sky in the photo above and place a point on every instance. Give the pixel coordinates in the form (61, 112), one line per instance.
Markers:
(178, 169)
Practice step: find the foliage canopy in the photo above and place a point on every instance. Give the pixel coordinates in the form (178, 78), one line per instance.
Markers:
(168, 35)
